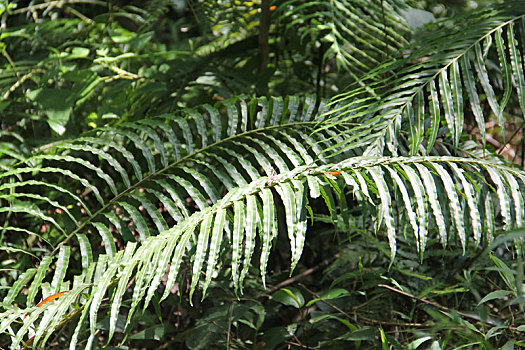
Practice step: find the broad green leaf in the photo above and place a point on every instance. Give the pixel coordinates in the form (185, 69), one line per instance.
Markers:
(57, 104)
(329, 295)
(289, 296)
(497, 294)
(416, 343)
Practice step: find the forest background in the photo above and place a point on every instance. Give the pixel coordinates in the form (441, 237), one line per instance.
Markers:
(296, 174)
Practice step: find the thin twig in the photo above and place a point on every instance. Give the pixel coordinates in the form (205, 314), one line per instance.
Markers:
(434, 304)
(58, 4)
(300, 345)
(367, 319)
(225, 330)
(193, 11)
(391, 323)
(230, 312)
(18, 83)
(303, 274)
(11, 62)
(423, 300)
(80, 15)
(335, 307)
(360, 306)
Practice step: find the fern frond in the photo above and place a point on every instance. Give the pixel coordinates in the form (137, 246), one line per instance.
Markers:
(176, 191)
(444, 182)
(360, 35)
(484, 59)
(159, 160)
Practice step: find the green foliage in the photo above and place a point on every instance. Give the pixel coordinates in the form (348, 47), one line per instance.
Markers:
(159, 186)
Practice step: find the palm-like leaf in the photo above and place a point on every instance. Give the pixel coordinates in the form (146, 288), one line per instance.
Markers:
(359, 35)
(445, 73)
(163, 192)
(368, 178)
(170, 159)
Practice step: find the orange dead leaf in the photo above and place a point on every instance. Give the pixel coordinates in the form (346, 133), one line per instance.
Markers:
(30, 341)
(272, 8)
(333, 173)
(51, 298)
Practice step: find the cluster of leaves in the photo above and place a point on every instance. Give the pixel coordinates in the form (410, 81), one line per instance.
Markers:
(126, 188)
(372, 304)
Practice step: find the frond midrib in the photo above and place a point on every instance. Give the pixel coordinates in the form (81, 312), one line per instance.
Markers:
(174, 164)
(429, 79)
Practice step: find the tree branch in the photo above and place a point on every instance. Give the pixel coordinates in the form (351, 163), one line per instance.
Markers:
(264, 30)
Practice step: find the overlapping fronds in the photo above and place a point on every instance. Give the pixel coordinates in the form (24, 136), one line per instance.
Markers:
(436, 193)
(446, 74)
(119, 185)
(358, 34)
(85, 69)
(138, 179)
(139, 200)
(12, 148)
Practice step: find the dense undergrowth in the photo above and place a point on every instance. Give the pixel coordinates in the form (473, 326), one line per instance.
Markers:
(261, 175)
